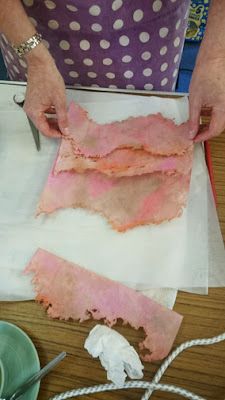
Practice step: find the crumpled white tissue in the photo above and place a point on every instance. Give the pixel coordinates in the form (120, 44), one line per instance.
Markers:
(115, 353)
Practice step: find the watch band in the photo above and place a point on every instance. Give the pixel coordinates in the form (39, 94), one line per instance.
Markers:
(28, 45)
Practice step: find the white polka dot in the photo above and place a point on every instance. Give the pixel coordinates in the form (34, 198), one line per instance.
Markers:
(144, 37)
(92, 74)
(178, 24)
(110, 75)
(7, 59)
(176, 41)
(5, 39)
(148, 86)
(12, 73)
(96, 27)
(163, 32)
(73, 74)
(147, 72)
(53, 24)
(64, 45)
(174, 86)
(88, 61)
(176, 58)
(146, 55)
(11, 55)
(164, 67)
(84, 45)
(126, 59)
(45, 42)
(138, 15)
(187, 13)
(124, 40)
(104, 44)
(94, 85)
(157, 5)
(131, 87)
(164, 81)
(50, 4)
(128, 74)
(173, 1)
(107, 61)
(71, 7)
(112, 86)
(163, 50)
(94, 10)
(117, 4)
(118, 24)
(16, 69)
(175, 72)
(28, 3)
(68, 61)
(74, 26)
(33, 21)
(22, 63)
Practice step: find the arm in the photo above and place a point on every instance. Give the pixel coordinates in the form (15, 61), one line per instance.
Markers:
(208, 81)
(45, 86)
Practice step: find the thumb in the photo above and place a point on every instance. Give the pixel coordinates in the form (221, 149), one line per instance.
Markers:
(61, 113)
(194, 118)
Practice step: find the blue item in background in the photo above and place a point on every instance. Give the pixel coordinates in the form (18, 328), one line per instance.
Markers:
(187, 64)
(3, 71)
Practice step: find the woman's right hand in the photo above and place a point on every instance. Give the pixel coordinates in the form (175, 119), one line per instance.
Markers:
(45, 93)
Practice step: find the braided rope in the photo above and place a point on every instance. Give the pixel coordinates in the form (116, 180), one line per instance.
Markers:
(128, 385)
(150, 386)
(176, 352)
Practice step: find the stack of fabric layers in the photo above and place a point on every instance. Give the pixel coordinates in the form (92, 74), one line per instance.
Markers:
(133, 172)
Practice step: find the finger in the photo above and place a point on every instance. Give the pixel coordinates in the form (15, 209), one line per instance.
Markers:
(43, 125)
(61, 113)
(195, 112)
(216, 126)
(50, 110)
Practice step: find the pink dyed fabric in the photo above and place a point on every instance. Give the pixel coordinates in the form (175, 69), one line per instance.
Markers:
(80, 294)
(122, 162)
(125, 202)
(153, 133)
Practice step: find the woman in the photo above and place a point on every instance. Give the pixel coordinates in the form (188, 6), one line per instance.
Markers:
(111, 43)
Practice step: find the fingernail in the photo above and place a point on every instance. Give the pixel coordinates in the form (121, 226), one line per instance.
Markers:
(65, 131)
(192, 133)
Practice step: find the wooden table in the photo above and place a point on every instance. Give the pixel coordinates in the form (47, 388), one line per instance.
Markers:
(200, 369)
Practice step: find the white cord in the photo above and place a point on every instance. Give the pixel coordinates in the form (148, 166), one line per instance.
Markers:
(128, 385)
(150, 386)
(176, 352)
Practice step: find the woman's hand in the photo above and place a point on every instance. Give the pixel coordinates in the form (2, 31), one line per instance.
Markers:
(45, 93)
(207, 89)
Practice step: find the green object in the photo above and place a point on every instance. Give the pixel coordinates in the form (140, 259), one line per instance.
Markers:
(18, 361)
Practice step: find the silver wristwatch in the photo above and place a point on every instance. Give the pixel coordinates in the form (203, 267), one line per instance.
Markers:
(28, 45)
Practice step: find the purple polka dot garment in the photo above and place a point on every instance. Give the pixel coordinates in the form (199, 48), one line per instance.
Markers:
(133, 44)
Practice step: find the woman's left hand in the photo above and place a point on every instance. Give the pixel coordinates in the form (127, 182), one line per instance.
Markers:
(207, 89)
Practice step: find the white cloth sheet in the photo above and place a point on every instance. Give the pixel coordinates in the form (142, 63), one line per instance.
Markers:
(171, 255)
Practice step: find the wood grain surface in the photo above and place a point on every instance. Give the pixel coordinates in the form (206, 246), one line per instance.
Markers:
(200, 369)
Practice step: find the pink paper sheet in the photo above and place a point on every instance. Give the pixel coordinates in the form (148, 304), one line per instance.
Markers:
(122, 162)
(67, 291)
(125, 202)
(153, 133)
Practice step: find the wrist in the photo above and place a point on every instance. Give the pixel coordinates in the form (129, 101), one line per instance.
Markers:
(38, 56)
